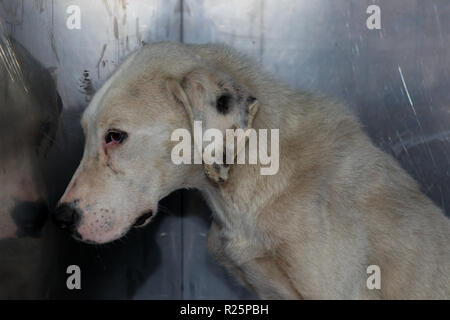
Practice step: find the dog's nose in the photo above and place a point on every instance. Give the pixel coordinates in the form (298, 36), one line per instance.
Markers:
(30, 217)
(66, 217)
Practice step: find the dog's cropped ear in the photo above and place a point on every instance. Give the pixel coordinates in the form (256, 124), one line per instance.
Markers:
(213, 100)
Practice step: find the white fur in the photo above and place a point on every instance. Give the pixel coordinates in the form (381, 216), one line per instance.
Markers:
(336, 206)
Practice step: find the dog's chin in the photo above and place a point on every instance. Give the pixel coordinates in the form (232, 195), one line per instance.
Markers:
(90, 236)
(100, 237)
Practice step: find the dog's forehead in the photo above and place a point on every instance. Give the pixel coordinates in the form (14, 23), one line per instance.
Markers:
(136, 91)
(116, 102)
(132, 106)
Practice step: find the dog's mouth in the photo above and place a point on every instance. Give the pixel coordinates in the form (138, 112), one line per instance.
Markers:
(143, 219)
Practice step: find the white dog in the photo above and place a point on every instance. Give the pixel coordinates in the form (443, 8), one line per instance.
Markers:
(336, 206)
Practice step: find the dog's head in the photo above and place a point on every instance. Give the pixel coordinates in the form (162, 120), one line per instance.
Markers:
(126, 167)
(29, 113)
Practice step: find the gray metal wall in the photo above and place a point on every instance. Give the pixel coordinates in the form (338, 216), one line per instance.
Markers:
(396, 79)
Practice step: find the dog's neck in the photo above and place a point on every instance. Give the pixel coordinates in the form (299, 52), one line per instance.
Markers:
(238, 202)
(247, 194)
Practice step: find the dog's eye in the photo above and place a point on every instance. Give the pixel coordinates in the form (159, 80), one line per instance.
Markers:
(115, 136)
(223, 103)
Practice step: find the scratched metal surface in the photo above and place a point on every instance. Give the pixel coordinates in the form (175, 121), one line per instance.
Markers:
(396, 79)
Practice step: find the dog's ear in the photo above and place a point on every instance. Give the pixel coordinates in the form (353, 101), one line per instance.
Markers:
(175, 88)
(213, 100)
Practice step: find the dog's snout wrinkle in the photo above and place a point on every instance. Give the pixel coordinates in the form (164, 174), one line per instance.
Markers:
(143, 218)
(77, 235)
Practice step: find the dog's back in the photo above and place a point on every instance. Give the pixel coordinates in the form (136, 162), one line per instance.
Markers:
(338, 204)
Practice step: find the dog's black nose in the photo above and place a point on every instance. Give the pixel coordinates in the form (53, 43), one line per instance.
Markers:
(66, 217)
(29, 217)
